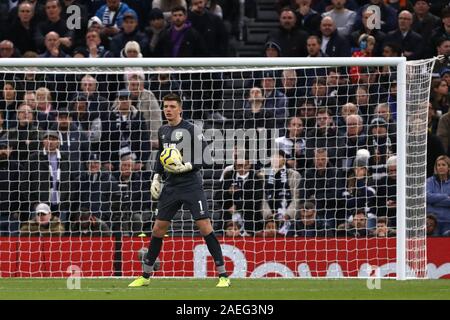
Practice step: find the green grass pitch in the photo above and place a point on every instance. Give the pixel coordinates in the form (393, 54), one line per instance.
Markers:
(241, 289)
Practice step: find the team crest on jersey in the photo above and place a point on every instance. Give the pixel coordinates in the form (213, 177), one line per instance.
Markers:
(178, 135)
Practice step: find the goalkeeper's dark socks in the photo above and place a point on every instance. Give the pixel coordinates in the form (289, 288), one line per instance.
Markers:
(152, 255)
(216, 252)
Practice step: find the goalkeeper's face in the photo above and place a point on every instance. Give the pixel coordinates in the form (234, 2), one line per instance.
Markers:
(172, 110)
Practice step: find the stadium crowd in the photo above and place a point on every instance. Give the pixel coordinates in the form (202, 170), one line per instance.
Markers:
(76, 151)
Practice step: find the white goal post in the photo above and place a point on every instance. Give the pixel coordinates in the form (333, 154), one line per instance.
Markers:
(413, 79)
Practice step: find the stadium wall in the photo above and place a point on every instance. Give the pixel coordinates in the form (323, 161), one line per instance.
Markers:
(189, 257)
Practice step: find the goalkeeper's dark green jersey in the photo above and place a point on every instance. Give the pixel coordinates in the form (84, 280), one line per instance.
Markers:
(188, 139)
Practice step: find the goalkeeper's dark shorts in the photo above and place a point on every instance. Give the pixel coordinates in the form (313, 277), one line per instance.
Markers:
(172, 198)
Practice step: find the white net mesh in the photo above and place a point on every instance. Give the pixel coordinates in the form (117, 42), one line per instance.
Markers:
(301, 180)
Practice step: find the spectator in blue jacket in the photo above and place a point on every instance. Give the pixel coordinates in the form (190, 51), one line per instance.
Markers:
(112, 14)
(438, 193)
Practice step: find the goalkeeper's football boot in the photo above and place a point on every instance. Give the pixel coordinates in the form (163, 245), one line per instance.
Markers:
(139, 282)
(223, 282)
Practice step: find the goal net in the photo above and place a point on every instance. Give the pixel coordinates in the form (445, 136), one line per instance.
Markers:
(312, 167)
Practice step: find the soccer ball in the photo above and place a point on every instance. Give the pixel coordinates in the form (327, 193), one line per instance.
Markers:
(170, 156)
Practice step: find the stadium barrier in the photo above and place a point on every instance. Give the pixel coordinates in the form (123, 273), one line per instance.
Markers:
(189, 257)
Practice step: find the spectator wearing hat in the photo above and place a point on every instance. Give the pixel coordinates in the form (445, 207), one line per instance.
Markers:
(9, 190)
(281, 198)
(71, 139)
(111, 15)
(44, 223)
(21, 31)
(51, 176)
(126, 126)
(98, 189)
(145, 101)
(134, 213)
(379, 145)
(275, 100)
(210, 27)
(411, 43)
(288, 36)
(307, 18)
(95, 24)
(129, 32)
(180, 39)
(131, 50)
(272, 50)
(55, 22)
(85, 224)
(156, 24)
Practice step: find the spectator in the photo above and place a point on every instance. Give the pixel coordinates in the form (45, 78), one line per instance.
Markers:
(163, 83)
(411, 43)
(424, 22)
(291, 39)
(293, 144)
(379, 145)
(386, 188)
(322, 183)
(232, 229)
(333, 44)
(272, 50)
(46, 114)
(271, 227)
(98, 190)
(382, 229)
(313, 46)
(95, 24)
(126, 128)
(9, 104)
(382, 111)
(256, 115)
(9, 190)
(275, 100)
(366, 45)
(156, 25)
(44, 223)
(96, 102)
(79, 32)
(94, 45)
(27, 134)
(321, 97)
(343, 17)
(180, 39)
(325, 135)
(443, 48)
(129, 32)
(388, 15)
(54, 23)
(438, 193)
(432, 225)
(240, 196)
(166, 6)
(21, 31)
(145, 101)
(439, 95)
(71, 139)
(356, 225)
(307, 223)
(210, 27)
(355, 139)
(84, 223)
(443, 31)
(347, 109)
(307, 18)
(291, 90)
(29, 98)
(280, 189)
(215, 8)
(131, 50)
(111, 15)
(370, 31)
(51, 176)
(7, 49)
(52, 46)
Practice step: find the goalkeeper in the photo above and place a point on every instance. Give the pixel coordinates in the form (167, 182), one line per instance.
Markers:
(183, 185)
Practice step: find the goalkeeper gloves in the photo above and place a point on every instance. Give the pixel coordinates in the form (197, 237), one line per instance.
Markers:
(155, 188)
(179, 167)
